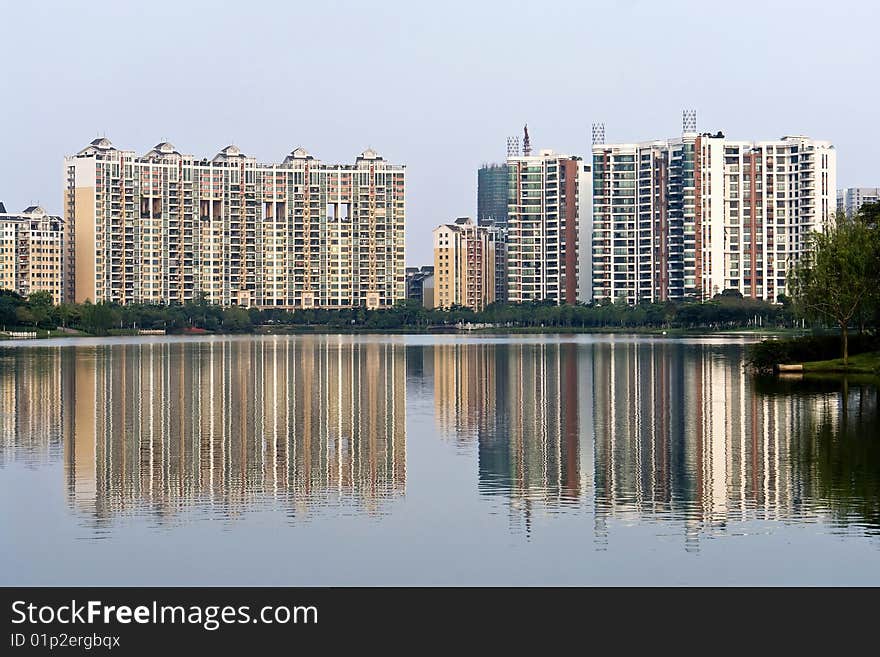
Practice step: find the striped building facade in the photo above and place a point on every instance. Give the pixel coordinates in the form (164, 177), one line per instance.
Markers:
(166, 227)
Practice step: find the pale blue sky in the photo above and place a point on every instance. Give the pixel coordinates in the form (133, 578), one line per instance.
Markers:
(435, 86)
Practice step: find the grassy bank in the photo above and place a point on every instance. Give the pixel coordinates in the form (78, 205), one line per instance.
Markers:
(819, 350)
(868, 363)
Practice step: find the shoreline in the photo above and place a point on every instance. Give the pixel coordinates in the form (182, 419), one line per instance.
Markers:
(450, 330)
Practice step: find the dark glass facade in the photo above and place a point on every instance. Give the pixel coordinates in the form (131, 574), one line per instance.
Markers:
(492, 195)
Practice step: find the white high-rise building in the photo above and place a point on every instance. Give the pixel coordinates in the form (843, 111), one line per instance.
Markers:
(548, 199)
(693, 216)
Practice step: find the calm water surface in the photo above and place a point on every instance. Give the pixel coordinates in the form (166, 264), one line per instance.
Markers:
(430, 460)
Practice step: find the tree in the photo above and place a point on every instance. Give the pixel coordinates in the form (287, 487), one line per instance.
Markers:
(24, 315)
(9, 304)
(410, 311)
(66, 313)
(869, 214)
(837, 277)
(40, 304)
(98, 318)
(236, 319)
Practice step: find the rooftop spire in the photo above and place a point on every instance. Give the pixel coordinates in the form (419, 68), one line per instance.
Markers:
(527, 146)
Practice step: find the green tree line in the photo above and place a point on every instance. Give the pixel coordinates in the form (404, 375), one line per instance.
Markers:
(727, 310)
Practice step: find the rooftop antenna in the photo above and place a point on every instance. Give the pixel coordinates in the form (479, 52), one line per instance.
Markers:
(598, 133)
(512, 146)
(689, 120)
(527, 146)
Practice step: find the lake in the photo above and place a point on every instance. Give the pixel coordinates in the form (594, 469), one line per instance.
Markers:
(420, 459)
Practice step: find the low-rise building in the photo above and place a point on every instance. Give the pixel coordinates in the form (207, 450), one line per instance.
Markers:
(420, 285)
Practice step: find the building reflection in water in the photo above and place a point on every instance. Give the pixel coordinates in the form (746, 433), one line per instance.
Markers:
(621, 430)
(658, 430)
(219, 424)
(519, 402)
(32, 419)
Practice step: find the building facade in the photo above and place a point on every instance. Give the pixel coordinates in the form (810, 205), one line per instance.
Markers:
(547, 195)
(33, 253)
(420, 285)
(690, 217)
(498, 236)
(492, 180)
(850, 199)
(464, 265)
(166, 227)
(492, 200)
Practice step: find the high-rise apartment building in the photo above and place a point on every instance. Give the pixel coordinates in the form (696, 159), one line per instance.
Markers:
(693, 216)
(547, 195)
(492, 182)
(165, 227)
(464, 265)
(492, 200)
(850, 199)
(33, 253)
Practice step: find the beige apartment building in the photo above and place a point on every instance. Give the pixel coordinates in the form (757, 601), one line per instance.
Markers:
(464, 265)
(164, 227)
(33, 253)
